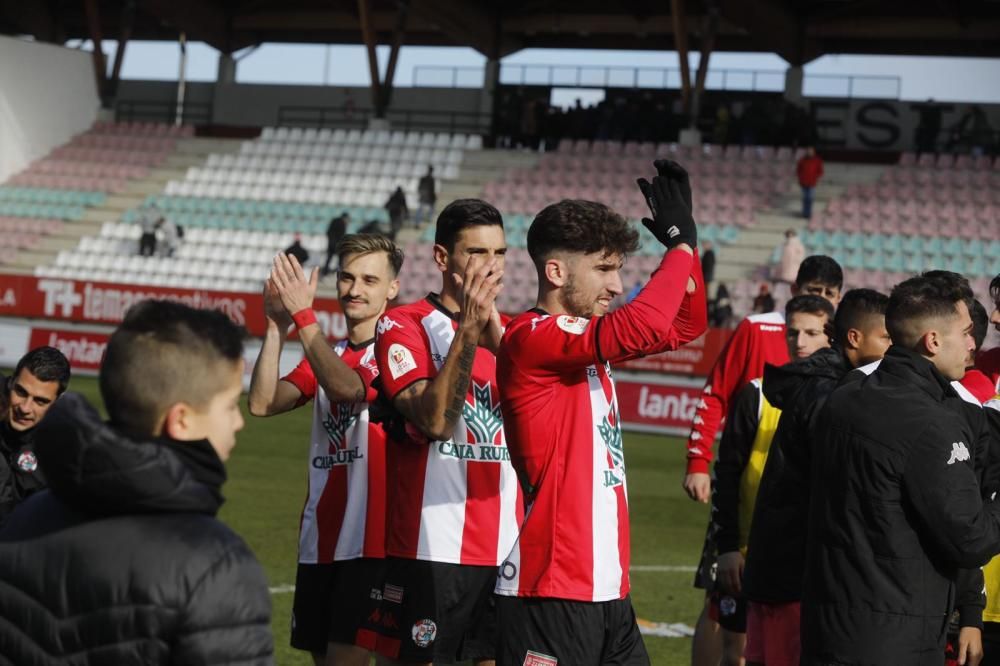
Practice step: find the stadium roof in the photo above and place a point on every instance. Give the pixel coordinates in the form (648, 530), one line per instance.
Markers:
(798, 30)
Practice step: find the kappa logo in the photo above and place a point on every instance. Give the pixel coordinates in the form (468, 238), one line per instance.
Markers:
(533, 658)
(386, 324)
(959, 453)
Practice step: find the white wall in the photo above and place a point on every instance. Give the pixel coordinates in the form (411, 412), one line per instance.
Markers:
(47, 94)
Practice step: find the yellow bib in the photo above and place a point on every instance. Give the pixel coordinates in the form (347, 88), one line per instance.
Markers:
(767, 423)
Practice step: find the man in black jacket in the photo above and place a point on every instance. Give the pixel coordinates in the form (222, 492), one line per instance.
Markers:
(898, 513)
(122, 560)
(773, 571)
(39, 379)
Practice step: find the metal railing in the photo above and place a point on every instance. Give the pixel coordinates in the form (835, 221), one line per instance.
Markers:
(195, 113)
(402, 119)
(594, 76)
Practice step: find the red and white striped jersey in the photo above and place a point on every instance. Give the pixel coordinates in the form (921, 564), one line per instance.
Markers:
(458, 500)
(344, 514)
(562, 420)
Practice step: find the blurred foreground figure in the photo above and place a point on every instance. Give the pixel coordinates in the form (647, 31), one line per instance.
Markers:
(122, 560)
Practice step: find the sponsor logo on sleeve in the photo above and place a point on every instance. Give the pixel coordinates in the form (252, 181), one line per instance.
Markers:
(392, 593)
(575, 325)
(400, 361)
(533, 658)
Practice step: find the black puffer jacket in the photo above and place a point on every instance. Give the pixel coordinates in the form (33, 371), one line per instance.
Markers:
(898, 513)
(20, 476)
(777, 543)
(122, 561)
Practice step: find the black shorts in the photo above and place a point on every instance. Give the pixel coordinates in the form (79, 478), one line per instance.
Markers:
(332, 601)
(729, 610)
(434, 612)
(547, 632)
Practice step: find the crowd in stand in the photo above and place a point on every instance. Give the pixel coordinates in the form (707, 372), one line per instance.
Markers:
(466, 473)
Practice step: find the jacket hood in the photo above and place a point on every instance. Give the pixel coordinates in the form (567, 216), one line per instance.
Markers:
(781, 383)
(88, 462)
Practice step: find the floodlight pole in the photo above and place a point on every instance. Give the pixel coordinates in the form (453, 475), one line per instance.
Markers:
(100, 67)
(680, 43)
(181, 81)
(368, 35)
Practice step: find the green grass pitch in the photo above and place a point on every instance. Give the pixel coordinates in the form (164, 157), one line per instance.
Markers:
(266, 488)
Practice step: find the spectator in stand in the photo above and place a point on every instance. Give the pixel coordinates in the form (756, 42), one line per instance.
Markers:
(899, 512)
(764, 301)
(40, 377)
(171, 236)
(708, 262)
(122, 560)
(721, 310)
(426, 196)
(792, 254)
(758, 339)
(296, 250)
(989, 360)
(398, 211)
(334, 232)
(810, 170)
(149, 220)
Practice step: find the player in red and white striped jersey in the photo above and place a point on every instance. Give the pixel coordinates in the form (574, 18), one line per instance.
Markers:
(342, 533)
(455, 499)
(565, 587)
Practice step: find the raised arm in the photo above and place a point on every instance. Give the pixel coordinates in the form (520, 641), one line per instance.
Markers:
(268, 394)
(434, 404)
(339, 381)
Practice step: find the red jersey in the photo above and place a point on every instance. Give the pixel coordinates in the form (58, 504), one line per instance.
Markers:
(759, 339)
(989, 363)
(344, 514)
(979, 385)
(810, 170)
(454, 501)
(564, 430)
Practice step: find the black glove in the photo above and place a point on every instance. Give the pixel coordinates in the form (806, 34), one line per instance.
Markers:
(672, 223)
(671, 169)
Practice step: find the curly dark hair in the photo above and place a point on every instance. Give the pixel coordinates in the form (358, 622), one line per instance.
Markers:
(574, 225)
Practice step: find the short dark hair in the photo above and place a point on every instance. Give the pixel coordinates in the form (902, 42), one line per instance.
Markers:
(369, 244)
(575, 225)
(995, 289)
(980, 323)
(48, 364)
(161, 354)
(918, 299)
(809, 304)
(820, 268)
(854, 310)
(462, 214)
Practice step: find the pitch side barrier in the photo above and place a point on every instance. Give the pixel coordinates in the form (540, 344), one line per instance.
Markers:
(656, 393)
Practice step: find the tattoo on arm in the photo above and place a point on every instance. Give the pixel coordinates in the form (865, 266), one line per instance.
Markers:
(461, 386)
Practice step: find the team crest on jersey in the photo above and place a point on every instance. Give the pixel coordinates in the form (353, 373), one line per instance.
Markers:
(27, 462)
(533, 658)
(611, 433)
(424, 632)
(576, 325)
(338, 421)
(482, 418)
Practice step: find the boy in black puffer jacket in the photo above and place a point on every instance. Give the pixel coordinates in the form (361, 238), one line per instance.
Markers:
(122, 560)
